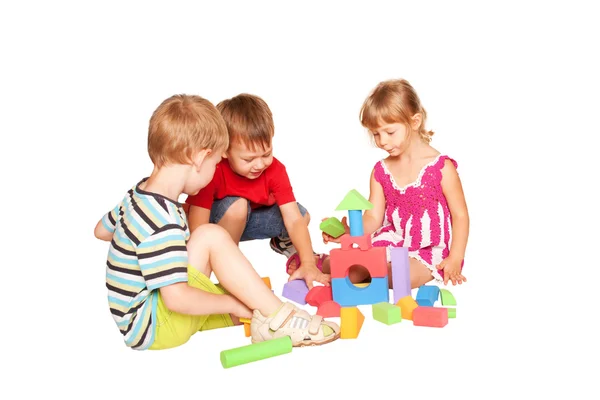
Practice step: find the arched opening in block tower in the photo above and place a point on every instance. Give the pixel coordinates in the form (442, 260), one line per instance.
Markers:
(359, 276)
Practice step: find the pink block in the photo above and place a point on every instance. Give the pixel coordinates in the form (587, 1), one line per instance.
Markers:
(363, 242)
(435, 317)
(318, 295)
(374, 260)
(329, 309)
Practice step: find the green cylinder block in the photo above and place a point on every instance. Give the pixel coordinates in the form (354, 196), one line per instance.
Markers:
(255, 352)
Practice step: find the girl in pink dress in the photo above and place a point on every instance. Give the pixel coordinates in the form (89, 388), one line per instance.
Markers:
(417, 196)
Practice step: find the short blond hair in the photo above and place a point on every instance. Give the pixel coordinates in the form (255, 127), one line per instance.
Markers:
(249, 120)
(394, 101)
(182, 125)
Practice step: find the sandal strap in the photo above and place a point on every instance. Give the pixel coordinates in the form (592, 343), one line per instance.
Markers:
(315, 324)
(293, 257)
(322, 258)
(281, 317)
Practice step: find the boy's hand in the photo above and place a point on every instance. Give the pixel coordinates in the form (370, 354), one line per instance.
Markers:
(310, 273)
(327, 238)
(452, 271)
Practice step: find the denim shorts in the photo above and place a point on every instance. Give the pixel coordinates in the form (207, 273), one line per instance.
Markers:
(261, 223)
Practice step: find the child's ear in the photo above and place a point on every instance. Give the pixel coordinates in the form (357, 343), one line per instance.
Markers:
(416, 121)
(199, 157)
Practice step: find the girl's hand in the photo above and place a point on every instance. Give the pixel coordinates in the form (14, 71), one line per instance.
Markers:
(452, 271)
(327, 238)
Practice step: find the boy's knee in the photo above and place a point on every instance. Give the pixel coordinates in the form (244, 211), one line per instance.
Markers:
(209, 232)
(238, 210)
(307, 218)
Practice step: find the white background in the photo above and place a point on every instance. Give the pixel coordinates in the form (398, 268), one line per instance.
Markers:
(512, 94)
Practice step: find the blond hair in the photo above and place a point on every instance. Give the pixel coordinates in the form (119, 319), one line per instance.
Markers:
(394, 101)
(182, 125)
(249, 120)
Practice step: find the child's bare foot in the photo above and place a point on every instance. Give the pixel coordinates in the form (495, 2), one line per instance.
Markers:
(293, 262)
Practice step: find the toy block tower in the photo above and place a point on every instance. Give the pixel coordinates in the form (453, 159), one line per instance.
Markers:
(345, 293)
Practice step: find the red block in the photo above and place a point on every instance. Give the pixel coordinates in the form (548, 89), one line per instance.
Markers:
(436, 317)
(374, 260)
(363, 242)
(329, 309)
(318, 295)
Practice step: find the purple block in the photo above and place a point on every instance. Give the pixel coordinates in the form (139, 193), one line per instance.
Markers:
(296, 291)
(400, 272)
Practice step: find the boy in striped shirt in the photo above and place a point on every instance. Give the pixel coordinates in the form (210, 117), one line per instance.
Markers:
(158, 275)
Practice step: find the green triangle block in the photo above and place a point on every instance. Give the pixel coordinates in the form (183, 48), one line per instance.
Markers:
(354, 201)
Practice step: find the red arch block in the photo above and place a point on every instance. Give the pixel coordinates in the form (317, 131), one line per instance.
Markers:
(373, 259)
(363, 242)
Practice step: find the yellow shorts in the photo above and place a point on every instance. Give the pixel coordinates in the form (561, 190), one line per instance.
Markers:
(174, 329)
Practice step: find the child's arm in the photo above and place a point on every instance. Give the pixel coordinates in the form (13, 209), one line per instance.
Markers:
(373, 218)
(300, 237)
(452, 189)
(106, 226)
(102, 233)
(197, 216)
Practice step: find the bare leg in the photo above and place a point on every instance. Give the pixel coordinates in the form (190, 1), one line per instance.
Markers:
(234, 220)
(211, 248)
(419, 273)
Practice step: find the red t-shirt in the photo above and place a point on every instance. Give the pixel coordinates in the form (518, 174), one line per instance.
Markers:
(271, 187)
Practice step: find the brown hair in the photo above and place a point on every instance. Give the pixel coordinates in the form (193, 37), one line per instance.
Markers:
(184, 124)
(394, 101)
(249, 120)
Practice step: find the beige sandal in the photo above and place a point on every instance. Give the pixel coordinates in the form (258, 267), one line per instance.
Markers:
(299, 325)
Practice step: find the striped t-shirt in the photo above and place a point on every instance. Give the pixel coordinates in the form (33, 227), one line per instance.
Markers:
(147, 251)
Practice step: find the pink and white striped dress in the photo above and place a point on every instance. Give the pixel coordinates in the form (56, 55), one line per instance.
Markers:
(416, 215)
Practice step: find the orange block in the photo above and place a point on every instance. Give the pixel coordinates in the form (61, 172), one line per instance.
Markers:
(407, 304)
(247, 329)
(351, 322)
(374, 260)
(436, 317)
(267, 281)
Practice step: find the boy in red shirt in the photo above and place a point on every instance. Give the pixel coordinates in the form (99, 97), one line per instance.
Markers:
(251, 195)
